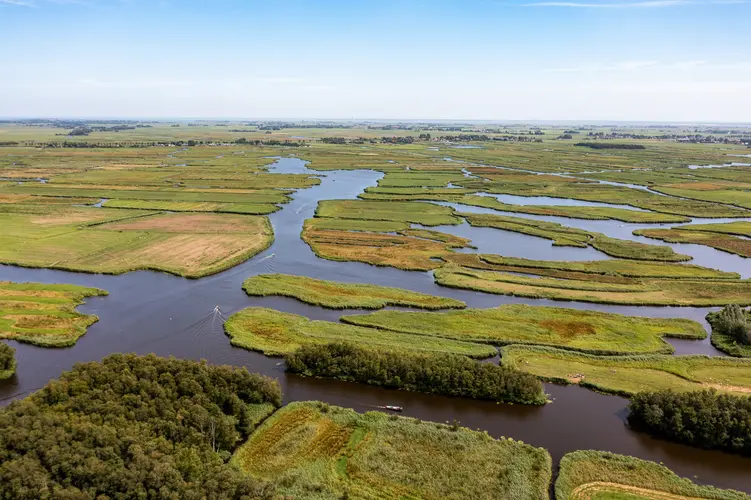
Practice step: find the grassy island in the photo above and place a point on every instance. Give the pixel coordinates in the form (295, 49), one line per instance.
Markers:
(43, 314)
(335, 295)
(585, 331)
(313, 450)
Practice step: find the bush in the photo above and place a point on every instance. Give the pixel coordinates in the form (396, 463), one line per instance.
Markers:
(704, 419)
(7, 360)
(444, 374)
(733, 322)
(133, 427)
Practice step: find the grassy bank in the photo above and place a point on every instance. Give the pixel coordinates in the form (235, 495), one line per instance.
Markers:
(656, 292)
(443, 374)
(335, 295)
(277, 333)
(627, 375)
(313, 450)
(600, 475)
(43, 314)
(586, 331)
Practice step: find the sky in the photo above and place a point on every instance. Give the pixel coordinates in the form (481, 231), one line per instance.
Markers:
(628, 60)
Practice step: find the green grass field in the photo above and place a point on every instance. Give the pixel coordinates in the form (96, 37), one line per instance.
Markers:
(44, 315)
(335, 295)
(626, 375)
(276, 333)
(599, 475)
(316, 451)
(585, 331)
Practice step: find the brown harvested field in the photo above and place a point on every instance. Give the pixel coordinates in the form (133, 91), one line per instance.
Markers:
(191, 223)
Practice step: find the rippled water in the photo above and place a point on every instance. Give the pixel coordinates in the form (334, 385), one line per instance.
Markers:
(171, 316)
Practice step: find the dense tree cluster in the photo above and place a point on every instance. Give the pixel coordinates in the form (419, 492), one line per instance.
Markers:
(133, 427)
(602, 145)
(705, 419)
(446, 374)
(732, 321)
(7, 358)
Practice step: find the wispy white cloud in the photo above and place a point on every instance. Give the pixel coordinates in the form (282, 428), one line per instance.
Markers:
(645, 4)
(17, 3)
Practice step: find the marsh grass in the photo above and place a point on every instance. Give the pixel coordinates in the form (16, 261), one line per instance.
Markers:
(658, 292)
(585, 331)
(627, 375)
(335, 295)
(44, 315)
(277, 333)
(315, 451)
(602, 475)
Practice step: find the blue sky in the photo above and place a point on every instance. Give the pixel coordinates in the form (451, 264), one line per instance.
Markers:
(660, 60)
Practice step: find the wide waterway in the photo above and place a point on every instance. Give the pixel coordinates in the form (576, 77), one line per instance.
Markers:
(149, 312)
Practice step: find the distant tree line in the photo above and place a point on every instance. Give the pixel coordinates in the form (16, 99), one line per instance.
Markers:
(444, 374)
(7, 358)
(705, 419)
(599, 145)
(133, 427)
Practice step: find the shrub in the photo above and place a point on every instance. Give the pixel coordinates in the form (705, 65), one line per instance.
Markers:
(733, 322)
(445, 374)
(703, 419)
(7, 360)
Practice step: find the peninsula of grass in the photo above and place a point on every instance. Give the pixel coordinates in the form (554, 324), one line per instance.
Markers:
(44, 315)
(610, 268)
(628, 375)
(336, 295)
(568, 236)
(427, 214)
(7, 361)
(313, 450)
(442, 374)
(652, 292)
(277, 333)
(727, 242)
(115, 241)
(601, 475)
(580, 330)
